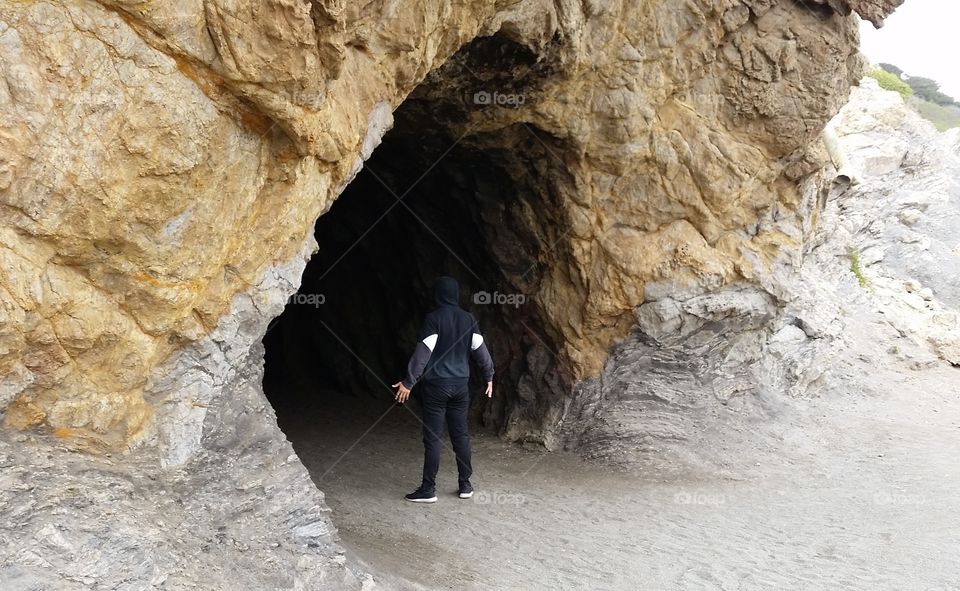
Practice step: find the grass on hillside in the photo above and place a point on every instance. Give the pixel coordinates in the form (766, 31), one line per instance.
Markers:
(943, 118)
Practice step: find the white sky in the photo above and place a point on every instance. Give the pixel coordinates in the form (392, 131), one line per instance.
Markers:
(922, 38)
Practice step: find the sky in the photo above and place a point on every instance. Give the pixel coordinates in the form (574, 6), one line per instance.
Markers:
(922, 38)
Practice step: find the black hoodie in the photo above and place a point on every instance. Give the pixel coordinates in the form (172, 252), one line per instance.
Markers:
(448, 337)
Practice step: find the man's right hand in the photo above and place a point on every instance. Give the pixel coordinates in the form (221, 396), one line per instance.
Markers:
(489, 391)
(402, 392)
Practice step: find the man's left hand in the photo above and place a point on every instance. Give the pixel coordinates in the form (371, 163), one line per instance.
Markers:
(402, 392)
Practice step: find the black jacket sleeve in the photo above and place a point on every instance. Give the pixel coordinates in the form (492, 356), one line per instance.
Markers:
(478, 348)
(421, 353)
(418, 361)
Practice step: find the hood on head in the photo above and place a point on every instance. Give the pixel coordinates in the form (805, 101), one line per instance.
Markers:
(446, 292)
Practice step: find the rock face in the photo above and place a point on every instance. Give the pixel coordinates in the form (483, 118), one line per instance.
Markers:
(898, 219)
(241, 513)
(876, 279)
(874, 11)
(162, 167)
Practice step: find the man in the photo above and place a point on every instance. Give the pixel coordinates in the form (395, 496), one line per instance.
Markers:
(441, 362)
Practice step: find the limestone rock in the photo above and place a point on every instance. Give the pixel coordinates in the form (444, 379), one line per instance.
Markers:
(243, 513)
(874, 11)
(902, 213)
(876, 281)
(160, 162)
(162, 166)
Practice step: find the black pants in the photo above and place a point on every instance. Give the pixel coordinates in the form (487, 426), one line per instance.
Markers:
(439, 402)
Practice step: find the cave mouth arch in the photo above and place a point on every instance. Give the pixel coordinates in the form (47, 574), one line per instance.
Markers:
(425, 204)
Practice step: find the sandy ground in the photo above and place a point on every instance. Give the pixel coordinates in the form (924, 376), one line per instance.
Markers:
(858, 491)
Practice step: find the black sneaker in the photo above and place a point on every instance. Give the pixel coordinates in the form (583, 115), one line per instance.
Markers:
(418, 496)
(466, 490)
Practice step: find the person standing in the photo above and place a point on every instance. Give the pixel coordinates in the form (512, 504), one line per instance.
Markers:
(441, 365)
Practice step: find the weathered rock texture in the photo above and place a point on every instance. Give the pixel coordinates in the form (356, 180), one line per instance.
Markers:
(164, 164)
(876, 279)
(897, 220)
(874, 11)
(240, 514)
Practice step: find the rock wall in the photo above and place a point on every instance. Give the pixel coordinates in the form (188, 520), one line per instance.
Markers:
(161, 170)
(241, 513)
(876, 281)
(896, 216)
(163, 166)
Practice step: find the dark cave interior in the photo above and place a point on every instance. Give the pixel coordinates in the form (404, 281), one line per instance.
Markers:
(449, 191)
(418, 210)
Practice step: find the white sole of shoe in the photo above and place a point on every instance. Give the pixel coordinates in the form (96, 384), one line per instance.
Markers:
(466, 495)
(430, 500)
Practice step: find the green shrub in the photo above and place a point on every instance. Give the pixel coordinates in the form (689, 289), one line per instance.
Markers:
(892, 82)
(857, 269)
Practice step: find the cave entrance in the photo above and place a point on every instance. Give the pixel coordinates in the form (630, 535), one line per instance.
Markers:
(457, 187)
(424, 205)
